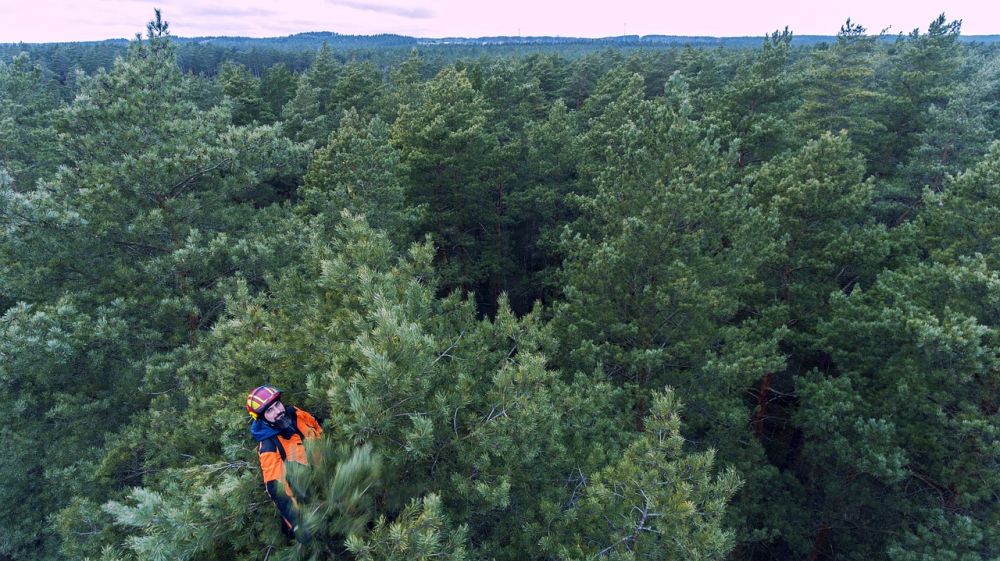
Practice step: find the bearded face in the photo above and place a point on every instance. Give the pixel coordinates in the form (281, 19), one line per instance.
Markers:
(275, 412)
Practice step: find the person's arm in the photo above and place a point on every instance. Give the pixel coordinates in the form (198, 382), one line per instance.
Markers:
(273, 469)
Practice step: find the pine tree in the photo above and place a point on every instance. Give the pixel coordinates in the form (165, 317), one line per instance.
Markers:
(540, 210)
(901, 432)
(359, 171)
(841, 93)
(657, 265)
(404, 84)
(421, 531)
(656, 502)
(310, 114)
(660, 280)
(922, 71)
(358, 87)
(123, 260)
(28, 150)
(334, 497)
(828, 244)
(958, 133)
(451, 152)
(822, 204)
(242, 89)
(276, 87)
(753, 105)
(453, 405)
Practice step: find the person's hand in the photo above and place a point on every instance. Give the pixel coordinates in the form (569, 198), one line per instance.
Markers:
(302, 535)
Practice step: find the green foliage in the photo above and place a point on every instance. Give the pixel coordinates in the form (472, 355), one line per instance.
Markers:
(309, 114)
(405, 79)
(923, 70)
(447, 143)
(829, 244)
(822, 204)
(661, 258)
(358, 87)
(155, 181)
(660, 274)
(202, 512)
(654, 503)
(961, 219)
(64, 368)
(419, 532)
(121, 259)
(800, 241)
(841, 93)
(28, 146)
(277, 86)
(958, 132)
(244, 91)
(359, 171)
(752, 106)
(907, 425)
(333, 497)
(543, 204)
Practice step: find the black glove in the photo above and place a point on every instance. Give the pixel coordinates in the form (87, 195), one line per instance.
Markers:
(302, 535)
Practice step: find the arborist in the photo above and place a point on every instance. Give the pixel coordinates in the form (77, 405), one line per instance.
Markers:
(281, 432)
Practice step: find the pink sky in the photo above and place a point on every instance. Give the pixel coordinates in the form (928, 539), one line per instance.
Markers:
(61, 20)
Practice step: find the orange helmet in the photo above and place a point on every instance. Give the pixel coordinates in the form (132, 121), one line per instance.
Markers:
(260, 399)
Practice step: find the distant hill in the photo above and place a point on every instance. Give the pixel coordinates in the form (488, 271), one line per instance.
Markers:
(314, 39)
(204, 55)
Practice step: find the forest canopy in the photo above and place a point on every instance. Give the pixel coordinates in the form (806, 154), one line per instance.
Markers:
(621, 303)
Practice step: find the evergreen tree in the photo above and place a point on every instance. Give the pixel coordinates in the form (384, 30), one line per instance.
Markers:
(334, 497)
(961, 220)
(548, 69)
(922, 72)
(901, 431)
(121, 261)
(841, 93)
(28, 149)
(358, 87)
(514, 104)
(309, 115)
(243, 90)
(359, 170)
(452, 404)
(657, 264)
(659, 278)
(404, 84)
(450, 150)
(583, 75)
(655, 503)
(958, 134)
(822, 205)
(540, 210)
(276, 87)
(753, 106)
(417, 533)
(828, 243)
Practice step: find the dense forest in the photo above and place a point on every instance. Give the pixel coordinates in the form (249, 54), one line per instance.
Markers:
(671, 303)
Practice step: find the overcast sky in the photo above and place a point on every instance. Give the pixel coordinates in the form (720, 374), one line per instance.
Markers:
(61, 20)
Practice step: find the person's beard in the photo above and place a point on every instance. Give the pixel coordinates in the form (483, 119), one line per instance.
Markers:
(284, 423)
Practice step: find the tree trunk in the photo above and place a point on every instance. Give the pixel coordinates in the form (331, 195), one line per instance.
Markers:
(758, 420)
(819, 542)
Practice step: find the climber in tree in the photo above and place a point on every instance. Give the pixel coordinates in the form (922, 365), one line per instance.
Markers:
(281, 432)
